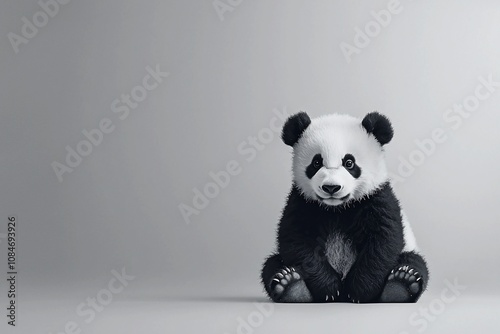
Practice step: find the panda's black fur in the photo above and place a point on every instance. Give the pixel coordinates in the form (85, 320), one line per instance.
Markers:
(372, 228)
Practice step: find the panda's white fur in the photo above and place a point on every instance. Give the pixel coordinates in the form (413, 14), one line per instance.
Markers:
(333, 136)
(409, 237)
(340, 253)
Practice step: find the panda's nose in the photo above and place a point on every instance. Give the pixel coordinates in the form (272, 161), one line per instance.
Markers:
(330, 188)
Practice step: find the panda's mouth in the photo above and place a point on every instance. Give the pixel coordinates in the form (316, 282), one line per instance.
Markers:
(333, 199)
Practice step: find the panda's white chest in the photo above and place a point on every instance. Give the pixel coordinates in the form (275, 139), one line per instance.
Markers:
(340, 253)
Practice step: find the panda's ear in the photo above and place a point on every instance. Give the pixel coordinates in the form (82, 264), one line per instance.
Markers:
(379, 126)
(294, 127)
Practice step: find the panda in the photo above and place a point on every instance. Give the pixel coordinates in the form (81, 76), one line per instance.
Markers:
(343, 236)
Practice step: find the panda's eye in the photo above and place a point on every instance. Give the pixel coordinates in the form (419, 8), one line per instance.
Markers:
(349, 164)
(317, 163)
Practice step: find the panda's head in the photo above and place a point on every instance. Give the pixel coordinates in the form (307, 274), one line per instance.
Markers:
(338, 158)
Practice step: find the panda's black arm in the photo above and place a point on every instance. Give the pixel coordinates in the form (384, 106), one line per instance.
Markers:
(377, 254)
(306, 254)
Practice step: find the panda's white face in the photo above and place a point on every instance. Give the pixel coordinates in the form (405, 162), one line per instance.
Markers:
(336, 161)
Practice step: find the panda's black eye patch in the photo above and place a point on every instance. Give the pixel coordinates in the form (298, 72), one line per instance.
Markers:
(349, 163)
(314, 166)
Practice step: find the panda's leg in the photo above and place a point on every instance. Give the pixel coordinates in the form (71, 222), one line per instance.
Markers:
(284, 284)
(406, 282)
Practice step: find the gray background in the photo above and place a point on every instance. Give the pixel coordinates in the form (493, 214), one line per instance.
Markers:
(120, 207)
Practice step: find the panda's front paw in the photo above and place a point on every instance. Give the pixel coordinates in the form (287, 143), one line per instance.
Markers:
(356, 290)
(354, 296)
(332, 296)
(328, 292)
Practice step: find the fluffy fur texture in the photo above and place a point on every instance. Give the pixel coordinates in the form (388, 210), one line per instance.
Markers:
(342, 235)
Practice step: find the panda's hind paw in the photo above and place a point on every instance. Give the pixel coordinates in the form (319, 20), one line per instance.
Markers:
(288, 286)
(404, 285)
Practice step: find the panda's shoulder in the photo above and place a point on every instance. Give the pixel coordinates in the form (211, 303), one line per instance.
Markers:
(382, 203)
(298, 212)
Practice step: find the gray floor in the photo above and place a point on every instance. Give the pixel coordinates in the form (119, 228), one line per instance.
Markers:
(153, 312)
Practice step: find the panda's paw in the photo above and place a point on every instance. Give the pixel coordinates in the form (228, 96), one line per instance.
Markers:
(404, 285)
(352, 297)
(333, 296)
(287, 286)
(358, 289)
